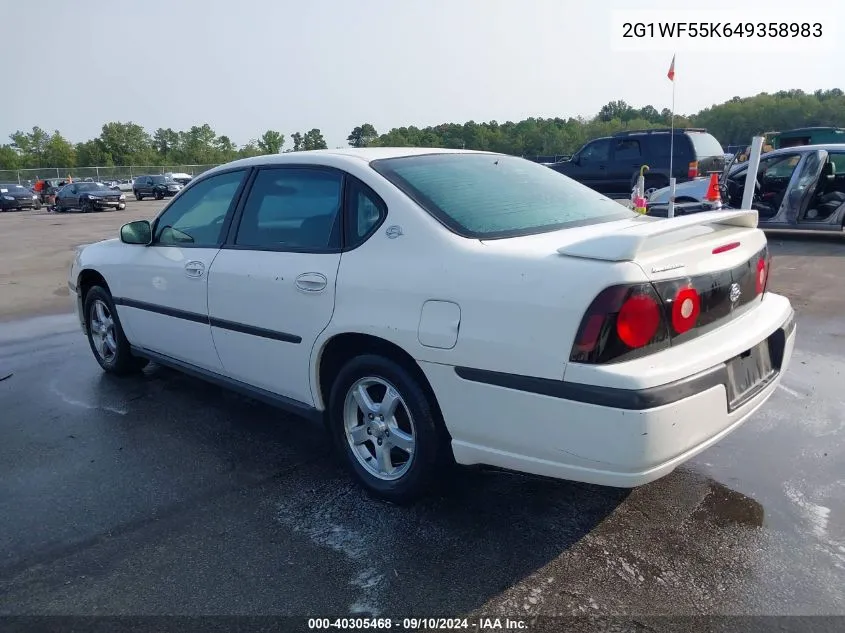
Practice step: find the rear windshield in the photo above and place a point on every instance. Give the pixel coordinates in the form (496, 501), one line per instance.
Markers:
(705, 144)
(487, 196)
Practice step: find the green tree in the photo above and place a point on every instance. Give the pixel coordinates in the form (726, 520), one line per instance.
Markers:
(92, 154)
(226, 149)
(249, 150)
(616, 110)
(58, 152)
(313, 139)
(271, 142)
(127, 144)
(32, 146)
(199, 145)
(296, 137)
(362, 135)
(167, 143)
(10, 158)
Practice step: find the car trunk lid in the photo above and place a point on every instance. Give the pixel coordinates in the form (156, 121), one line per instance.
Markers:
(721, 254)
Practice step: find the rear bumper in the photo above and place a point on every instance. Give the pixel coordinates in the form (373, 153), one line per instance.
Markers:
(607, 436)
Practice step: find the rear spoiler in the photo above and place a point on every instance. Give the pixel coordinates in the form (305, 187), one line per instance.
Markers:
(625, 244)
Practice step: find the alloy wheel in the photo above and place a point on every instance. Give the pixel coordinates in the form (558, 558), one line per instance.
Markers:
(102, 331)
(379, 428)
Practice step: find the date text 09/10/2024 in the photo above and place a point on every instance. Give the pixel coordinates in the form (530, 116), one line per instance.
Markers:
(417, 624)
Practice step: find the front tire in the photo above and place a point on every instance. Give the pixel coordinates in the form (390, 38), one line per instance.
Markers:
(106, 337)
(86, 207)
(159, 195)
(387, 430)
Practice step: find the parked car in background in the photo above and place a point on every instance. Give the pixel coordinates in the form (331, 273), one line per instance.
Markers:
(800, 187)
(125, 185)
(181, 178)
(611, 165)
(88, 197)
(158, 187)
(626, 342)
(14, 196)
(808, 136)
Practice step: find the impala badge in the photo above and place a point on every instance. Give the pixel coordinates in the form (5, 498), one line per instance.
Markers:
(735, 292)
(393, 231)
(663, 269)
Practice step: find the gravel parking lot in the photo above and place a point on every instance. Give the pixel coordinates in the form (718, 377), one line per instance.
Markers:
(161, 495)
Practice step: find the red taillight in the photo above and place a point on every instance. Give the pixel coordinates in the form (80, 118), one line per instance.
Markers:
(724, 248)
(692, 169)
(762, 274)
(622, 322)
(685, 310)
(638, 321)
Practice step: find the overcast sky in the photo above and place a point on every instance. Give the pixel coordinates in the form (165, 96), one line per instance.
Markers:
(245, 66)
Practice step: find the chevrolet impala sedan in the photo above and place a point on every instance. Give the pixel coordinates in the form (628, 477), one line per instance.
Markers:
(433, 307)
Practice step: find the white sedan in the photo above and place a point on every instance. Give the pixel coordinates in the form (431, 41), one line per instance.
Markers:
(437, 306)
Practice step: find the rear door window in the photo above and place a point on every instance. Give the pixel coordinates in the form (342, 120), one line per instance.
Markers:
(627, 150)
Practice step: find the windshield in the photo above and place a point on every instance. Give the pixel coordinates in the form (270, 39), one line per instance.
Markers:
(490, 195)
(87, 186)
(162, 180)
(12, 187)
(705, 144)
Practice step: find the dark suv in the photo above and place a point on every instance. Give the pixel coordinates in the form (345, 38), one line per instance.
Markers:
(157, 187)
(611, 165)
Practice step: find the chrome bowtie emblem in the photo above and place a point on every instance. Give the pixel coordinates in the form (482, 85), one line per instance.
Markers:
(735, 292)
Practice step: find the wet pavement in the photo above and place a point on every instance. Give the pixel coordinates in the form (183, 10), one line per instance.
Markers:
(161, 495)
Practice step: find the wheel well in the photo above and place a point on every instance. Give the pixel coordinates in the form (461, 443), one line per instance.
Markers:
(87, 280)
(342, 348)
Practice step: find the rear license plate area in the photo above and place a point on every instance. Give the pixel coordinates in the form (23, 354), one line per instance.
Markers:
(749, 373)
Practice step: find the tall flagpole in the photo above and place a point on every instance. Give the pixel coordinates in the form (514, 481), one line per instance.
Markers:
(671, 212)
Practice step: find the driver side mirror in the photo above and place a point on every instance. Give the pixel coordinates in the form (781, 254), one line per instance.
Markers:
(140, 232)
(575, 160)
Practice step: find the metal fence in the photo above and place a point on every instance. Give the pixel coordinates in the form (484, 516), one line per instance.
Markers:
(23, 176)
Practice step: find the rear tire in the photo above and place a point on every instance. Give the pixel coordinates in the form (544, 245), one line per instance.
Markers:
(106, 337)
(138, 196)
(397, 451)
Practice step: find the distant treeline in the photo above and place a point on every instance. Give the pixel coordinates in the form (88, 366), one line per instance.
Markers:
(733, 123)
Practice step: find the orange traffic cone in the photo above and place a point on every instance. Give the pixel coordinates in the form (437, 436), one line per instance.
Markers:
(713, 196)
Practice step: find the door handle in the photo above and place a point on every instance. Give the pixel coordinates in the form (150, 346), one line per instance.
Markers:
(311, 282)
(194, 269)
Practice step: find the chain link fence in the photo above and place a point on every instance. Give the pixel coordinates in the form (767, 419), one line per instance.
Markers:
(26, 176)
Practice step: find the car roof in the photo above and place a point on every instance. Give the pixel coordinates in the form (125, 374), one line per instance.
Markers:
(829, 147)
(365, 154)
(803, 149)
